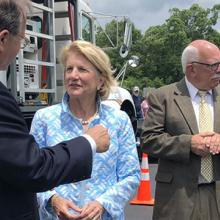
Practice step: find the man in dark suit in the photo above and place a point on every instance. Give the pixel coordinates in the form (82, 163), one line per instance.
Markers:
(175, 133)
(24, 167)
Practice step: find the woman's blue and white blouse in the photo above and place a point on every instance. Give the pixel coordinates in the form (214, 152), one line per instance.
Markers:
(115, 173)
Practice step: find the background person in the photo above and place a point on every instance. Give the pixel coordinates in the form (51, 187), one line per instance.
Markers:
(175, 133)
(24, 168)
(116, 173)
(137, 101)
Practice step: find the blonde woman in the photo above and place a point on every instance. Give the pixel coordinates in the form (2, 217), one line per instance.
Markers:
(116, 173)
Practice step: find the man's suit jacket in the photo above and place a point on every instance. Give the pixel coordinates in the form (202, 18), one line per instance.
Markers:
(167, 132)
(26, 169)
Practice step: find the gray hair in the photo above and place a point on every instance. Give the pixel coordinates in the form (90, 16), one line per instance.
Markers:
(190, 54)
(12, 14)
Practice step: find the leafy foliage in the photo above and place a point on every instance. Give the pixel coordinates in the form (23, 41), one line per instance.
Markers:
(160, 47)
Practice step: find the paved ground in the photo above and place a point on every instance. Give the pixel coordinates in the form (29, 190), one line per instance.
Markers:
(142, 212)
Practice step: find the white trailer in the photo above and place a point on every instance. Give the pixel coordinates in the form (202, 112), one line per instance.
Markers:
(35, 78)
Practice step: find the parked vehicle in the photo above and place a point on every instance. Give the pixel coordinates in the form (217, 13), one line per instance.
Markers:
(35, 78)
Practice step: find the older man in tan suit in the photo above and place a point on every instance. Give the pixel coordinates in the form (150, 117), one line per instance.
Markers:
(182, 129)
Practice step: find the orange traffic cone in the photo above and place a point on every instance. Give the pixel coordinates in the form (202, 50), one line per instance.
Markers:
(144, 192)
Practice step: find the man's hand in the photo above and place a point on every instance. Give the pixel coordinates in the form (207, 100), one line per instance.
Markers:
(198, 143)
(213, 143)
(100, 136)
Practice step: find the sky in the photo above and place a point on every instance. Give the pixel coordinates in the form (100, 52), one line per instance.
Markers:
(145, 13)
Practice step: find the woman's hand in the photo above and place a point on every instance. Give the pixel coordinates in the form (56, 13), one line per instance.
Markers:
(92, 211)
(64, 208)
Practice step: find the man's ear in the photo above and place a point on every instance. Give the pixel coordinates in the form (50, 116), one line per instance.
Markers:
(4, 35)
(190, 71)
(189, 68)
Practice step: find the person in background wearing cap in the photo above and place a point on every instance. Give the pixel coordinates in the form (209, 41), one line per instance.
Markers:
(182, 129)
(137, 102)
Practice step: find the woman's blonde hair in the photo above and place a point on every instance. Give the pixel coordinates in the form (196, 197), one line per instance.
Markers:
(97, 57)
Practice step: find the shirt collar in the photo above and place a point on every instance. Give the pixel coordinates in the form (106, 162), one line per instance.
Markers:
(65, 104)
(65, 101)
(193, 91)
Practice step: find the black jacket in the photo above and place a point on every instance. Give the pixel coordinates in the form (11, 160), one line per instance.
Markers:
(26, 169)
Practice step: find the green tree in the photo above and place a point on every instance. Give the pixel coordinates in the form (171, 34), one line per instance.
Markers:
(113, 52)
(160, 47)
(164, 44)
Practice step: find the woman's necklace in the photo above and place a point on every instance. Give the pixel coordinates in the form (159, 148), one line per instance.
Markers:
(86, 122)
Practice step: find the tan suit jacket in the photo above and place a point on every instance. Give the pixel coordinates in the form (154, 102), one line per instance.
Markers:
(167, 132)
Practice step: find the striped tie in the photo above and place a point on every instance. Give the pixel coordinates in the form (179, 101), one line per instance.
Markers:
(205, 124)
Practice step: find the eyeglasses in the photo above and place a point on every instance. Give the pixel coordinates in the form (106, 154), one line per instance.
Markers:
(213, 66)
(24, 41)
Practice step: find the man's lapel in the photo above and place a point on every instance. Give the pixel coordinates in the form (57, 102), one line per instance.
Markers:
(183, 101)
